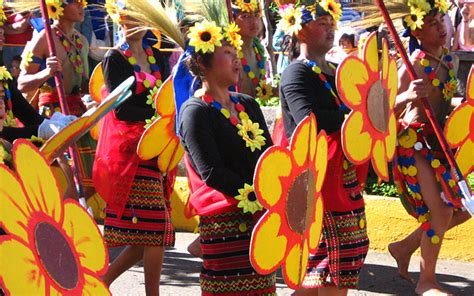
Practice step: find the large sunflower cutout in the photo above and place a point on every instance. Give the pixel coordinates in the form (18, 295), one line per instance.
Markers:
(51, 247)
(160, 139)
(369, 132)
(288, 184)
(459, 129)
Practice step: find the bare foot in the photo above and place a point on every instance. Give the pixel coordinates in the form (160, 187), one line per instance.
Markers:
(403, 261)
(430, 289)
(194, 248)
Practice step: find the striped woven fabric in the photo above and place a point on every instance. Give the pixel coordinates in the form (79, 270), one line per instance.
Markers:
(341, 252)
(225, 242)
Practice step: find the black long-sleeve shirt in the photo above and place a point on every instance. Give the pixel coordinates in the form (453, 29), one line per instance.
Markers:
(217, 153)
(24, 112)
(116, 70)
(303, 92)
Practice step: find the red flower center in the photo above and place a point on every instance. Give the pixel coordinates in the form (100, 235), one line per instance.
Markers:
(56, 255)
(300, 202)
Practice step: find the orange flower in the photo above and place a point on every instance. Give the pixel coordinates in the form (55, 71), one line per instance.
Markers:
(288, 184)
(459, 129)
(160, 138)
(369, 133)
(52, 247)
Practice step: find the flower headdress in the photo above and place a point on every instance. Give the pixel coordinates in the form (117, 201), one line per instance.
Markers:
(3, 17)
(295, 16)
(5, 76)
(56, 7)
(205, 36)
(115, 8)
(249, 6)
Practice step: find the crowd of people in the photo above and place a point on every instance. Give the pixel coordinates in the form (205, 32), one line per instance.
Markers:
(226, 72)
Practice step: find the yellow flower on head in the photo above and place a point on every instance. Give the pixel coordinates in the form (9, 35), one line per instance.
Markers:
(459, 129)
(113, 10)
(252, 134)
(333, 8)
(441, 5)
(52, 247)
(247, 5)
(83, 3)
(205, 36)
(55, 9)
(369, 88)
(247, 200)
(415, 19)
(3, 17)
(420, 4)
(290, 22)
(231, 34)
(264, 90)
(4, 74)
(288, 184)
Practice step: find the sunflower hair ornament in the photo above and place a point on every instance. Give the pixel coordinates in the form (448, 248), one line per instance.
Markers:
(295, 16)
(3, 17)
(420, 8)
(245, 6)
(205, 36)
(114, 8)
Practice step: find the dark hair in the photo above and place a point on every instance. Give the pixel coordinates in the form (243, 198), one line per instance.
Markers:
(17, 58)
(348, 37)
(291, 45)
(193, 63)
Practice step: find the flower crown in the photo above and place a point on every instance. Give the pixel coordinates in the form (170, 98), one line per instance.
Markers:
(114, 7)
(420, 8)
(294, 17)
(56, 7)
(205, 36)
(246, 5)
(4, 74)
(3, 17)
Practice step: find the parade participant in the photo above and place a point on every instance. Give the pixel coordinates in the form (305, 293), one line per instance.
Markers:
(247, 15)
(39, 68)
(308, 85)
(223, 134)
(138, 213)
(420, 170)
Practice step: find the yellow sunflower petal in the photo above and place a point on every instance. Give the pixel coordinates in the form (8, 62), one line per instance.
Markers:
(304, 137)
(391, 138)
(19, 272)
(265, 238)
(15, 210)
(321, 160)
(464, 157)
(38, 179)
(162, 129)
(317, 226)
(164, 99)
(171, 156)
(267, 179)
(93, 286)
(294, 267)
(392, 83)
(352, 74)
(86, 237)
(457, 128)
(356, 142)
(379, 160)
(371, 53)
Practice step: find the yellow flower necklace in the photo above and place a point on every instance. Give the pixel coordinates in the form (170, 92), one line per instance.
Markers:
(73, 52)
(449, 87)
(248, 130)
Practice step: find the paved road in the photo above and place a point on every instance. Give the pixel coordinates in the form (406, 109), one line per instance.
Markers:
(379, 276)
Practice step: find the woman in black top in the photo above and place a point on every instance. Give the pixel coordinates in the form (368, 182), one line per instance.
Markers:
(221, 155)
(138, 213)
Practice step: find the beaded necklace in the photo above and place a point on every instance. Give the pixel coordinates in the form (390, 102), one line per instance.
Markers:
(248, 130)
(262, 89)
(125, 48)
(449, 87)
(73, 51)
(316, 69)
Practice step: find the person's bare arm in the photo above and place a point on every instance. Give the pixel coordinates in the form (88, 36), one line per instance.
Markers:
(31, 77)
(408, 91)
(464, 30)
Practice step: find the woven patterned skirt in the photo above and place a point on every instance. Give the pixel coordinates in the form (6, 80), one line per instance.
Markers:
(146, 220)
(226, 270)
(341, 252)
